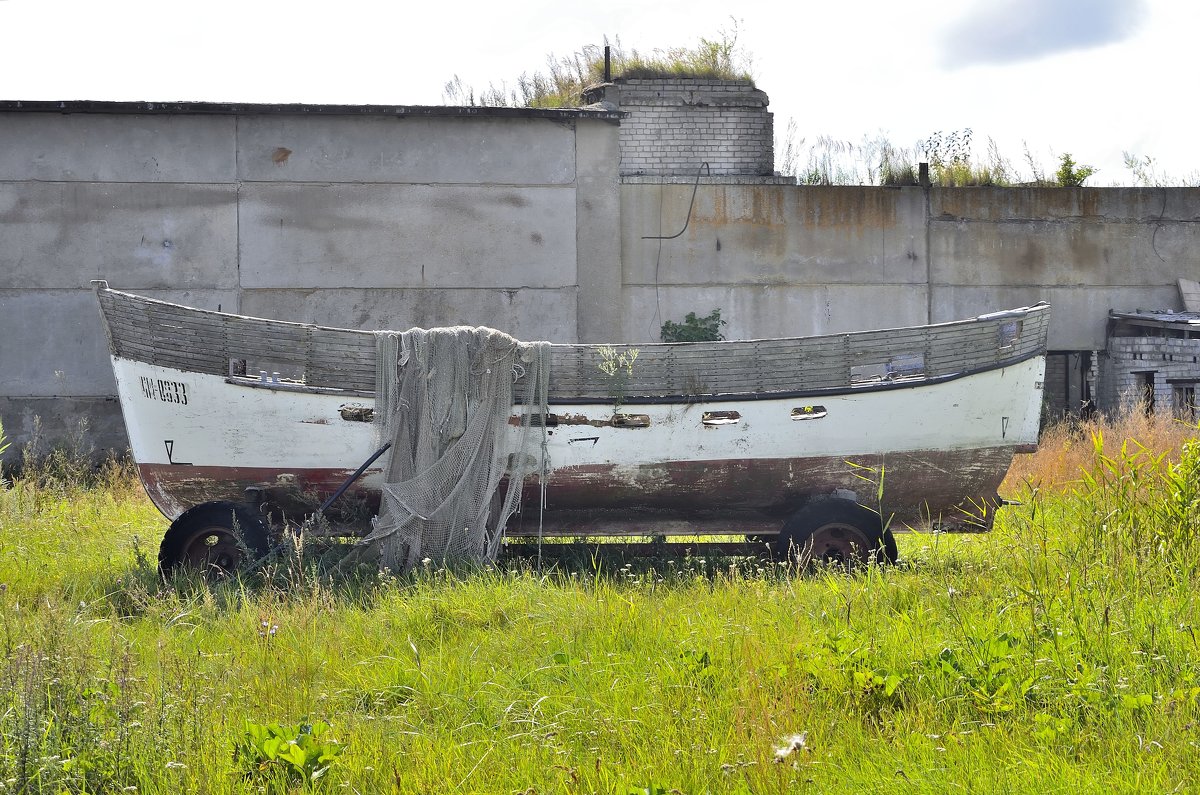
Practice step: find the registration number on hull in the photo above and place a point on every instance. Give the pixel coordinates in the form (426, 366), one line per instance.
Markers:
(165, 391)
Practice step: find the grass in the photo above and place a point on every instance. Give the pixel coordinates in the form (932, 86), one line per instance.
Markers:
(566, 77)
(875, 160)
(953, 163)
(1058, 653)
(1067, 448)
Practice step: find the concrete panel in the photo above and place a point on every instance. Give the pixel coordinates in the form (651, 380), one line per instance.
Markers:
(1078, 314)
(462, 149)
(598, 208)
(301, 236)
(773, 234)
(526, 314)
(141, 236)
(52, 342)
(1128, 205)
(60, 419)
(1064, 236)
(117, 148)
(757, 312)
(1061, 254)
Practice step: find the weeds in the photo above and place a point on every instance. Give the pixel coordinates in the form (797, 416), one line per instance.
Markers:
(566, 77)
(1145, 174)
(1066, 449)
(875, 160)
(282, 757)
(69, 465)
(617, 367)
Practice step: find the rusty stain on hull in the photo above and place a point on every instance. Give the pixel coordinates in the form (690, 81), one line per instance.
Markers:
(774, 488)
(957, 490)
(292, 492)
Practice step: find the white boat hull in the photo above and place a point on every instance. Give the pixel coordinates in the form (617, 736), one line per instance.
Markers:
(939, 447)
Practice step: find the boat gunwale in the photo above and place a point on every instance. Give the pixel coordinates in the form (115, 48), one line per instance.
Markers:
(883, 386)
(341, 361)
(654, 400)
(1015, 313)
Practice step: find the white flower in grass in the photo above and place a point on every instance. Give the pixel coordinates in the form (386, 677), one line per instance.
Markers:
(792, 745)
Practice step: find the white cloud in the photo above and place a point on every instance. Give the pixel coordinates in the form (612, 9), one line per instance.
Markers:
(1008, 31)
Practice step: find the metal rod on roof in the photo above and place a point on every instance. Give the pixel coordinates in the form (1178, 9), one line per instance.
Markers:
(607, 64)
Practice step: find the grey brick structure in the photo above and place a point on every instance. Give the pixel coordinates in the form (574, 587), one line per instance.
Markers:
(1154, 358)
(677, 123)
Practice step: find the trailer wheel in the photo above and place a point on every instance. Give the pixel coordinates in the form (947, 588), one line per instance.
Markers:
(213, 539)
(835, 531)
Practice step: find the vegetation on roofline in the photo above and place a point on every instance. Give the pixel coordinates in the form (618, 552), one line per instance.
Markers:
(822, 160)
(566, 77)
(952, 160)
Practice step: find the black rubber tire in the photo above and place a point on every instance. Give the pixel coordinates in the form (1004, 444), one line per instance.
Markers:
(213, 539)
(835, 531)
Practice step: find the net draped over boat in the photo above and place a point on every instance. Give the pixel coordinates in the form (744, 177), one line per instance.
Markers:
(444, 398)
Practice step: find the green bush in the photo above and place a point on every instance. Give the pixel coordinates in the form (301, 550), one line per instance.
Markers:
(1070, 174)
(694, 329)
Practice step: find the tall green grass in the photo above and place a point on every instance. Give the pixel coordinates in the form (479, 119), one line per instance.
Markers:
(1058, 653)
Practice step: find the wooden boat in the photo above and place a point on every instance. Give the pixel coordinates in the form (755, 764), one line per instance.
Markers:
(829, 441)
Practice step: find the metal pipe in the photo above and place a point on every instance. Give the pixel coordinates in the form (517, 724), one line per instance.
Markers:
(350, 480)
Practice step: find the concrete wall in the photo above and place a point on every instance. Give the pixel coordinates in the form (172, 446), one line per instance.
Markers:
(781, 259)
(1085, 250)
(374, 218)
(517, 219)
(778, 260)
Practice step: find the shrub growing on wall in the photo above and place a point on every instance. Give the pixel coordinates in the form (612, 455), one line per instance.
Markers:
(1070, 174)
(694, 329)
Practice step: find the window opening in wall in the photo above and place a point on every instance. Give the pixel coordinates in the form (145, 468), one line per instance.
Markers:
(1145, 386)
(1183, 398)
(1087, 404)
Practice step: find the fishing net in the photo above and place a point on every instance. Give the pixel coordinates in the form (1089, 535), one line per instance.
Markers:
(444, 398)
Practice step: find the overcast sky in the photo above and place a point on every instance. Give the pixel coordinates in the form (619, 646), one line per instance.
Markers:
(1090, 77)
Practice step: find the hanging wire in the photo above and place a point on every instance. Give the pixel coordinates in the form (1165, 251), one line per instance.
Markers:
(660, 238)
(695, 187)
